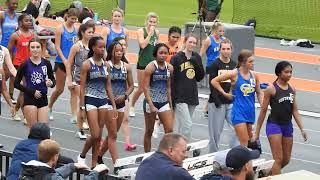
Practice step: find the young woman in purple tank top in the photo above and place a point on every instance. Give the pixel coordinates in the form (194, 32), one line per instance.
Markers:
(282, 98)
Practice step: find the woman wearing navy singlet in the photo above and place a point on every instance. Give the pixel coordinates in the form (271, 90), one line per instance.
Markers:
(19, 41)
(244, 85)
(95, 90)
(122, 87)
(279, 128)
(78, 54)
(157, 90)
(9, 21)
(65, 37)
(116, 29)
(38, 75)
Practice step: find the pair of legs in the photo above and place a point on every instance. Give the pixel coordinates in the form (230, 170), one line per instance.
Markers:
(74, 103)
(280, 139)
(125, 124)
(216, 117)
(110, 142)
(136, 95)
(244, 132)
(96, 120)
(165, 117)
(60, 82)
(183, 116)
(35, 110)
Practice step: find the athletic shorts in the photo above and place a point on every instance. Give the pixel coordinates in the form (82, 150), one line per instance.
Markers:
(60, 66)
(120, 107)
(286, 130)
(162, 107)
(92, 103)
(39, 103)
(141, 67)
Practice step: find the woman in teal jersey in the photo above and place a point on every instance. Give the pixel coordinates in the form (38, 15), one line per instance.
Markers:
(245, 84)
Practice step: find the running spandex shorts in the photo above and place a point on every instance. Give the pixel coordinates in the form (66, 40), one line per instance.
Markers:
(286, 130)
(162, 107)
(92, 103)
(39, 103)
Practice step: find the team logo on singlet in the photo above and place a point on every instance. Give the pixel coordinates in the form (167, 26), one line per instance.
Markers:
(246, 89)
(287, 98)
(224, 71)
(190, 73)
(36, 78)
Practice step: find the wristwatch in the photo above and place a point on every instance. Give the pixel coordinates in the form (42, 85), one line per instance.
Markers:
(82, 108)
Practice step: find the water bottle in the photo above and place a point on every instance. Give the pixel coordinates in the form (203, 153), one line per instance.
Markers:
(96, 17)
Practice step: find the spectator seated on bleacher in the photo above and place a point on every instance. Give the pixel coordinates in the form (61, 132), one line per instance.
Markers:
(44, 168)
(166, 163)
(220, 170)
(26, 150)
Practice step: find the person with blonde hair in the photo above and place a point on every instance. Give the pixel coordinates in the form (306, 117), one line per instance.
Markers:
(44, 167)
(148, 38)
(115, 29)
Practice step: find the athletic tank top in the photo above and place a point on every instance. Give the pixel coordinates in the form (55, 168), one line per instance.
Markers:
(158, 83)
(243, 109)
(79, 58)
(172, 51)
(9, 26)
(145, 55)
(96, 80)
(281, 105)
(36, 75)
(67, 41)
(22, 49)
(113, 35)
(118, 78)
(213, 50)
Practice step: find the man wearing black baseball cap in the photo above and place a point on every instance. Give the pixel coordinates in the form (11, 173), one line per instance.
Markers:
(239, 161)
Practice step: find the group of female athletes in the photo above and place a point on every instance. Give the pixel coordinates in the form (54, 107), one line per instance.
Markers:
(100, 79)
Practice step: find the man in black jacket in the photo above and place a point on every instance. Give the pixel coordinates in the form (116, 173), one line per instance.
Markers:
(187, 71)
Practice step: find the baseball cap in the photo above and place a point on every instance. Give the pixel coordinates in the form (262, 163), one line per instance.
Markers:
(240, 155)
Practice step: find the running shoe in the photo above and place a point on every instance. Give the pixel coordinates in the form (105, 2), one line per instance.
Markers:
(16, 117)
(25, 121)
(130, 147)
(85, 126)
(50, 115)
(80, 134)
(73, 120)
(13, 100)
(131, 112)
(156, 129)
(81, 160)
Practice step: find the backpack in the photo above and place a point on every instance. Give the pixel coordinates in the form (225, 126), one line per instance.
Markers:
(251, 22)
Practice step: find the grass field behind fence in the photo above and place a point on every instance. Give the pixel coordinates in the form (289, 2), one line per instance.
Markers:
(285, 18)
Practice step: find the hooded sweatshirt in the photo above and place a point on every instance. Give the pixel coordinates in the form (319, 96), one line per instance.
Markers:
(26, 150)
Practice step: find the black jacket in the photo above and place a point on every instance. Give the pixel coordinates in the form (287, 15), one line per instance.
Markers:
(186, 74)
